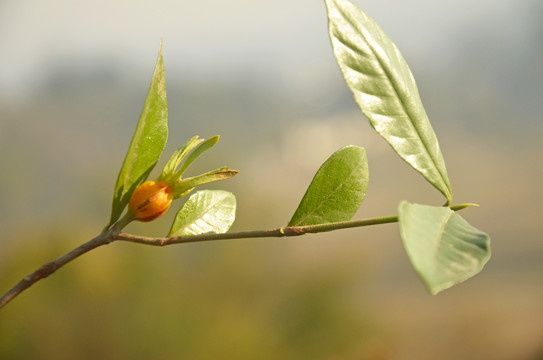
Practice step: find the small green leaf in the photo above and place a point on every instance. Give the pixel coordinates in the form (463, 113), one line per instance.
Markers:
(337, 190)
(443, 248)
(206, 145)
(206, 211)
(184, 186)
(147, 143)
(178, 156)
(385, 90)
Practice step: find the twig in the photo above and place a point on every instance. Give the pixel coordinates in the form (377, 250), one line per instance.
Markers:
(277, 232)
(49, 268)
(108, 236)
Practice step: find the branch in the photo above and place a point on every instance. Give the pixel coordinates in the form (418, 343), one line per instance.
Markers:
(109, 236)
(49, 268)
(277, 232)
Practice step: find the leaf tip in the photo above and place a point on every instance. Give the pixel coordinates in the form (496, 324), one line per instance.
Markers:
(463, 206)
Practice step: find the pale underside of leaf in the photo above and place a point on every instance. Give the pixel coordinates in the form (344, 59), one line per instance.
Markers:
(206, 211)
(443, 248)
(385, 90)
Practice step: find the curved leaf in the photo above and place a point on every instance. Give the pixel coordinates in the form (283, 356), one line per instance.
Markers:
(337, 190)
(147, 143)
(206, 211)
(385, 90)
(443, 248)
(178, 156)
(202, 148)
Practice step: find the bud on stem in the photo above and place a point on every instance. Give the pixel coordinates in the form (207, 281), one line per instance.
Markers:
(150, 200)
(153, 198)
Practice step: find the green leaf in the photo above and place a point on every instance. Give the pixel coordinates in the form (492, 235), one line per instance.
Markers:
(207, 211)
(385, 90)
(443, 248)
(185, 186)
(206, 145)
(337, 190)
(177, 157)
(147, 143)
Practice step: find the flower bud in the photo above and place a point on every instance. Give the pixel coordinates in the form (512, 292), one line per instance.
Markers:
(150, 200)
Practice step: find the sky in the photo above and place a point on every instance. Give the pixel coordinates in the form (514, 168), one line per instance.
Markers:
(285, 40)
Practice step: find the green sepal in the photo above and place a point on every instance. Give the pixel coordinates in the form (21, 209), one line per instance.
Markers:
(177, 158)
(206, 145)
(184, 186)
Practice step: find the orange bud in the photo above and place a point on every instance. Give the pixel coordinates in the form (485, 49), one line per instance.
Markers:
(150, 200)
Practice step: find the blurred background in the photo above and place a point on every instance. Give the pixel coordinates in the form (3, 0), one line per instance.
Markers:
(73, 79)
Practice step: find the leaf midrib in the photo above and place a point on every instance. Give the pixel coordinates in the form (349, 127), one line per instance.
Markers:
(203, 213)
(389, 77)
(330, 194)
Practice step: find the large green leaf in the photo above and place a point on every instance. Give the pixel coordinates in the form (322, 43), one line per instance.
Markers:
(385, 90)
(443, 248)
(147, 143)
(337, 190)
(206, 211)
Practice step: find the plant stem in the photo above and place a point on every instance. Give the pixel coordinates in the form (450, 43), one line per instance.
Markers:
(49, 268)
(108, 236)
(277, 232)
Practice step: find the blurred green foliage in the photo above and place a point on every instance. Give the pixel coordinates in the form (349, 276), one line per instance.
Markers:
(201, 301)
